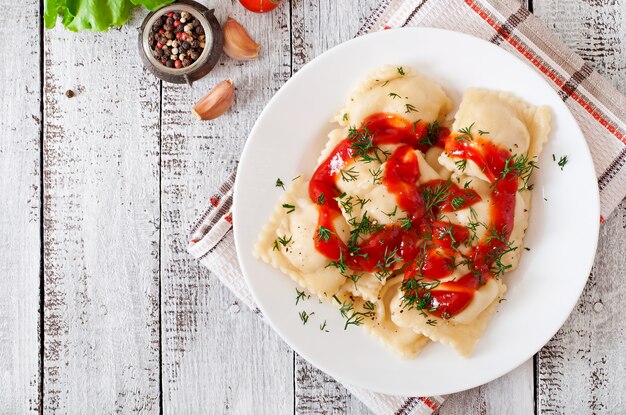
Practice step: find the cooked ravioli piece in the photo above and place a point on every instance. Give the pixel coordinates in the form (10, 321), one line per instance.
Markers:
(334, 137)
(501, 119)
(376, 319)
(413, 96)
(460, 332)
(365, 286)
(287, 243)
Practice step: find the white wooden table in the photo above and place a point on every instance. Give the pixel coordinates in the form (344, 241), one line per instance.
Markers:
(101, 308)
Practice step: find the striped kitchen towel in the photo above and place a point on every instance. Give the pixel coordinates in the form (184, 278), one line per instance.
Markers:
(599, 109)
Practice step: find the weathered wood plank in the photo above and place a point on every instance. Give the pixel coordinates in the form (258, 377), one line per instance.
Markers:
(511, 394)
(320, 394)
(101, 225)
(20, 123)
(581, 370)
(218, 357)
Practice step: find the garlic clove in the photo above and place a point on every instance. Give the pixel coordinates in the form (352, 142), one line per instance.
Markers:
(237, 42)
(216, 102)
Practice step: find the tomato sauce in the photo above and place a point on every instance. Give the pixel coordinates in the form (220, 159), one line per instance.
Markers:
(423, 241)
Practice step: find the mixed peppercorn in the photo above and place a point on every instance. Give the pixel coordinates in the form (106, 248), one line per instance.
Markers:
(177, 39)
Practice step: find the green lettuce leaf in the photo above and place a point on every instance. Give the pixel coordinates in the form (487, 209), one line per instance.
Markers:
(151, 5)
(95, 15)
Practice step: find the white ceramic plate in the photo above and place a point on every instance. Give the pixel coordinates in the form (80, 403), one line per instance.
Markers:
(562, 236)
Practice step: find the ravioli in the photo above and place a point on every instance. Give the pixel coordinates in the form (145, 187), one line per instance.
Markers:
(287, 243)
(503, 120)
(404, 341)
(460, 332)
(395, 89)
(408, 224)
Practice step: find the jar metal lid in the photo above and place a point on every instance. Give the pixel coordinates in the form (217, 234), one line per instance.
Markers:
(209, 56)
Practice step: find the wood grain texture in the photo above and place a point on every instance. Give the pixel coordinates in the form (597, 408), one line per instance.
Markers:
(218, 357)
(20, 203)
(583, 368)
(101, 225)
(594, 29)
(513, 393)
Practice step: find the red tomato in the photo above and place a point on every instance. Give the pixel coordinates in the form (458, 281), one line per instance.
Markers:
(260, 6)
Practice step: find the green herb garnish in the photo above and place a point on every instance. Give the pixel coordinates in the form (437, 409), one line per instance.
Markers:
(349, 175)
(304, 316)
(409, 108)
(324, 233)
(300, 295)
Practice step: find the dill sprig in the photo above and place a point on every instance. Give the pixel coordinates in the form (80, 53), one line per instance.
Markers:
(323, 327)
(363, 146)
(355, 278)
(340, 264)
(362, 227)
(435, 195)
(349, 175)
(457, 202)
(376, 175)
(406, 223)
(345, 202)
(324, 233)
(393, 213)
(321, 199)
(432, 134)
(300, 295)
(472, 226)
(356, 317)
(461, 164)
(284, 241)
(385, 265)
(416, 291)
(279, 183)
(521, 166)
(466, 133)
(304, 316)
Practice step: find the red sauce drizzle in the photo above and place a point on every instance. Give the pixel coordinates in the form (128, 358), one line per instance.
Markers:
(400, 178)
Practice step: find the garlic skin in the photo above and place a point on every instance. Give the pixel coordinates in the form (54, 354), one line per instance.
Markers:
(237, 42)
(216, 102)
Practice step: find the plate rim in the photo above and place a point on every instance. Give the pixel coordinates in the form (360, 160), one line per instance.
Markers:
(302, 72)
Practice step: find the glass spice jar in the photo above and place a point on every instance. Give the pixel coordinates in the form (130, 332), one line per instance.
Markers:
(208, 56)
